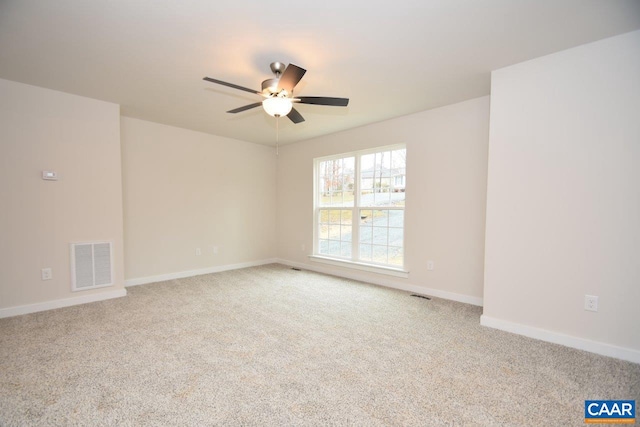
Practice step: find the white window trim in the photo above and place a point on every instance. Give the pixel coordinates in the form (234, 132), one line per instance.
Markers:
(357, 265)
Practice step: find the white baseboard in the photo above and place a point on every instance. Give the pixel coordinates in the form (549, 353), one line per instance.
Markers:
(60, 303)
(383, 281)
(601, 348)
(190, 273)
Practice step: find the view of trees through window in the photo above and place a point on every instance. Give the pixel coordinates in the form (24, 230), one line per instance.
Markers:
(360, 201)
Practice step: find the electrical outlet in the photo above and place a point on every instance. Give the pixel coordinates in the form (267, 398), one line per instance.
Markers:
(47, 274)
(198, 251)
(302, 247)
(591, 303)
(215, 250)
(430, 265)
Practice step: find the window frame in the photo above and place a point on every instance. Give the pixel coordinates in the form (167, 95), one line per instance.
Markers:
(355, 262)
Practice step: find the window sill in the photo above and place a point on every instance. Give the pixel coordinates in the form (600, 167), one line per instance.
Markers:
(390, 271)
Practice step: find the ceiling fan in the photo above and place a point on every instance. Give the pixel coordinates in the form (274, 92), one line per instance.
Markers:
(278, 93)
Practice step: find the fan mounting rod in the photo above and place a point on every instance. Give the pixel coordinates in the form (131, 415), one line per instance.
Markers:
(277, 68)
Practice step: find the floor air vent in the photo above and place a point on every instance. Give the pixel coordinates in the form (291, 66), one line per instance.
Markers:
(91, 265)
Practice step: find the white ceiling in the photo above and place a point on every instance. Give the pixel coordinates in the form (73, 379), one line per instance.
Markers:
(390, 58)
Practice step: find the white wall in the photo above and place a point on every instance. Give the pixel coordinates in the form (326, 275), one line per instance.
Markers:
(563, 206)
(446, 190)
(79, 138)
(185, 190)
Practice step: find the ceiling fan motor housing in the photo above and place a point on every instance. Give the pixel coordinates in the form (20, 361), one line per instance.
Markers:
(270, 86)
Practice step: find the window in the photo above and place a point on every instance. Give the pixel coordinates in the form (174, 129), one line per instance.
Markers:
(359, 207)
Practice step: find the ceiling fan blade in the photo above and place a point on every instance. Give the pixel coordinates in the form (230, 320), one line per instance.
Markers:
(245, 108)
(220, 82)
(295, 116)
(323, 100)
(290, 78)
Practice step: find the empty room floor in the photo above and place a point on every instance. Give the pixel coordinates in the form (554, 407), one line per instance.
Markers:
(274, 346)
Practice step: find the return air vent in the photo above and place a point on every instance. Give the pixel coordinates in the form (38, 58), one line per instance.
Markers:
(91, 265)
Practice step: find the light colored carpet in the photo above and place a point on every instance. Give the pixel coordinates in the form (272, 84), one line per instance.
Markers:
(273, 346)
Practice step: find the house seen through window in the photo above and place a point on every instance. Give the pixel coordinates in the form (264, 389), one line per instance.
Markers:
(359, 206)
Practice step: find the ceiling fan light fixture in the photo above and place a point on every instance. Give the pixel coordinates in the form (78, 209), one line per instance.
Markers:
(277, 106)
(278, 92)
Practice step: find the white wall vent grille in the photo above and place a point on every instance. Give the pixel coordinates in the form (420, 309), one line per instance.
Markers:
(91, 265)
